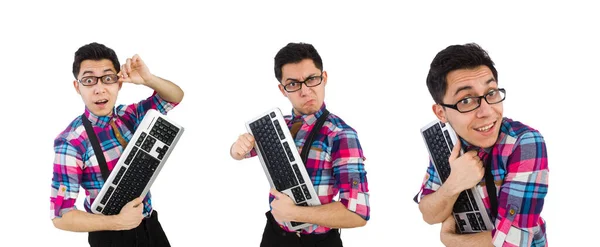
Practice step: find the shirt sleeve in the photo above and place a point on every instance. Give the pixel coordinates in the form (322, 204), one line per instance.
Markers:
(431, 183)
(251, 154)
(66, 178)
(521, 196)
(136, 112)
(349, 172)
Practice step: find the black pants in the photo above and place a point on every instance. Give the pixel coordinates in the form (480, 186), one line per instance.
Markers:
(148, 234)
(274, 236)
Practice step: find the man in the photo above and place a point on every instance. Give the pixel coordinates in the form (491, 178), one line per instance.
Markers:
(98, 79)
(464, 85)
(335, 163)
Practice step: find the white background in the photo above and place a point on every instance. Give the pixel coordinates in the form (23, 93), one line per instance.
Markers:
(377, 56)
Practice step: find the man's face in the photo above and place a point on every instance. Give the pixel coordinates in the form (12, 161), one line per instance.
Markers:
(100, 98)
(481, 126)
(307, 100)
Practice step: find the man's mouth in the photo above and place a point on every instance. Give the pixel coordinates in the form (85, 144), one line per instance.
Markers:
(485, 127)
(102, 101)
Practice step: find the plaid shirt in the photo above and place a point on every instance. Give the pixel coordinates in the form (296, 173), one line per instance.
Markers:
(75, 163)
(335, 164)
(520, 170)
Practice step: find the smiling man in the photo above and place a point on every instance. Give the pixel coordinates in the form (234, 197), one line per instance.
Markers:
(98, 79)
(464, 85)
(335, 162)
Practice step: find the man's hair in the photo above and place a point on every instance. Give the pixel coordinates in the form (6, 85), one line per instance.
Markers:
(454, 57)
(96, 52)
(294, 53)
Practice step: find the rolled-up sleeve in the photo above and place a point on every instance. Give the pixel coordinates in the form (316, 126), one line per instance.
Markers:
(521, 196)
(349, 171)
(66, 178)
(431, 183)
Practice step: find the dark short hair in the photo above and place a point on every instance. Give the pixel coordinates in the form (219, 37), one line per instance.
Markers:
(96, 52)
(454, 57)
(294, 53)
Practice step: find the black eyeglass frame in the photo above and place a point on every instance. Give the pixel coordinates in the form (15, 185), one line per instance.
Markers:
(304, 82)
(478, 98)
(114, 76)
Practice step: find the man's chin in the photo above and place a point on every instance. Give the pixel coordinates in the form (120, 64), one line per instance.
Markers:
(485, 143)
(100, 111)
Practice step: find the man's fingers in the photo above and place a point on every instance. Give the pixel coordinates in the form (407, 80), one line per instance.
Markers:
(248, 137)
(276, 193)
(128, 65)
(137, 201)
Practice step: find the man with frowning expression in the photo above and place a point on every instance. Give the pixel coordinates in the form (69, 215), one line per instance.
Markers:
(335, 162)
(98, 79)
(464, 85)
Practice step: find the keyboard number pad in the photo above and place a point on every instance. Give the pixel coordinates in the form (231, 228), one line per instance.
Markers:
(306, 192)
(164, 131)
(473, 220)
(297, 192)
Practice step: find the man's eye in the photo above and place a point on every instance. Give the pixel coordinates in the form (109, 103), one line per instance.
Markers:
(466, 101)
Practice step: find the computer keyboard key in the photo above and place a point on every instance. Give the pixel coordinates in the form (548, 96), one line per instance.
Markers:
(296, 223)
(297, 192)
(306, 192)
(298, 174)
(288, 151)
(118, 176)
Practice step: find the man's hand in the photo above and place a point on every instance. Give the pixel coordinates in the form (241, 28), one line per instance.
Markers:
(450, 238)
(130, 215)
(466, 170)
(282, 207)
(135, 71)
(448, 226)
(242, 146)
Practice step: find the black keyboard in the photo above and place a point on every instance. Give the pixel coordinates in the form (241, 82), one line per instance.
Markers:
(268, 135)
(279, 159)
(440, 149)
(132, 178)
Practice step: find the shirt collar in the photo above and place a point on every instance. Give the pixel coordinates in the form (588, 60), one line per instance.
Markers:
(99, 121)
(308, 119)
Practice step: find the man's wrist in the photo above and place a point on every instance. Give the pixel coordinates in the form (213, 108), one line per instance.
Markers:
(297, 213)
(449, 189)
(152, 81)
(112, 222)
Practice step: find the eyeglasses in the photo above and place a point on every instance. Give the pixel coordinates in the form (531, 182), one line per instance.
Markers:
(468, 104)
(311, 81)
(93, 80)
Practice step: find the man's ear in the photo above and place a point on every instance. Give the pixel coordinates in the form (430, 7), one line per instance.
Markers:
(76, 86)
(324, 78)
(439, 112)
